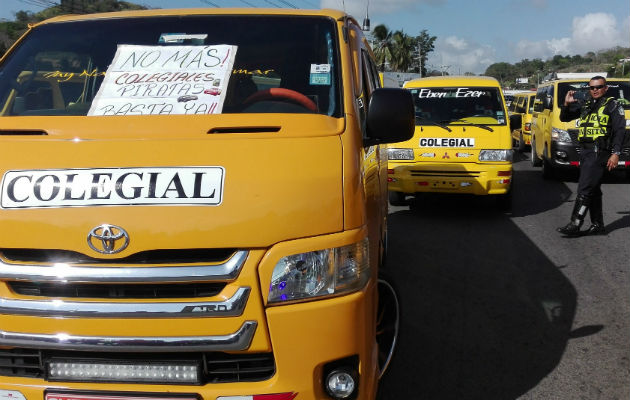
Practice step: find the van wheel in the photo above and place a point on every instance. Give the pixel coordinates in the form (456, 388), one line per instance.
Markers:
(534, 156)
(387, 324)
(396, 198)
(547, 169)
(521, 143)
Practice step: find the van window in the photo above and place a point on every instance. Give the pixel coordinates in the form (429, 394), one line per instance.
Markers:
(452, 104)
(530, 104)
(618, 90)
(60, 66)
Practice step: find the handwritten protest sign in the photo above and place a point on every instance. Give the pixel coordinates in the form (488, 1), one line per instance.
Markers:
(163, 80)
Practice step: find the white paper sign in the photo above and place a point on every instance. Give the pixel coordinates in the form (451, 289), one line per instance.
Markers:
(164, 80)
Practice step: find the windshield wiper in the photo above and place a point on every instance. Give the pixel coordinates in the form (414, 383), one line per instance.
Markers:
(482, 126)
(430, 122)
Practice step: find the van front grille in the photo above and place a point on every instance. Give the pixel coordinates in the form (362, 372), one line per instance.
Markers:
(217, 367)
(450, 174)
(21, 362)
(117, 291)
(160, 256)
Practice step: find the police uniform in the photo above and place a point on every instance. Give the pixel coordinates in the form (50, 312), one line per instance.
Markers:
(601, 132)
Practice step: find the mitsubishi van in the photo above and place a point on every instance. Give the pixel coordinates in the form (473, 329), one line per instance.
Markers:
(554, 143)
(461, 144)
(193, 205)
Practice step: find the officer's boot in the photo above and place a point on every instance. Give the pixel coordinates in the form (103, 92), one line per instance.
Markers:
(597, 218)
(577, 217)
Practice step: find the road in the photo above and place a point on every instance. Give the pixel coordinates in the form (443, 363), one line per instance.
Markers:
(499, 306)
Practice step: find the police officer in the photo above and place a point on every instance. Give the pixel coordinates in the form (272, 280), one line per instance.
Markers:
(600, 136)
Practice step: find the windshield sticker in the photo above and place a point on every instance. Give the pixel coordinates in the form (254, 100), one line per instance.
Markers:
(112, 187)
(152, 80)
(178, 38)
(66, 76)
(425, 93)
(447, 142)
(320, 74)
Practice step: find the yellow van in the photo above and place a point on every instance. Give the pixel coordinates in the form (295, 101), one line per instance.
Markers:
(554, 143)
(192, 210)
(521, 111)
(461, 144)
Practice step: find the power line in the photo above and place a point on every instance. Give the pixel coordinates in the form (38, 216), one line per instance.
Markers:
(273, 4)
(287, 3)
(248, 3)
(210, 3)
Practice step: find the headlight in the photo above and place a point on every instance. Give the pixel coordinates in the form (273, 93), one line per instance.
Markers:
(495, 155)
(400, 154)
(320, 273)
(560, 135)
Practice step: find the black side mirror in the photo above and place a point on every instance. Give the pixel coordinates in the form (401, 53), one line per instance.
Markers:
(390, 116)
(515, 121)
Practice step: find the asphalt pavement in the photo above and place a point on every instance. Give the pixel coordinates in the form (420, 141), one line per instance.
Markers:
(497, 305)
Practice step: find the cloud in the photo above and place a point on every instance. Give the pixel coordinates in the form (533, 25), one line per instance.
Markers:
(458, 56)
(357, 8)
(592, 32)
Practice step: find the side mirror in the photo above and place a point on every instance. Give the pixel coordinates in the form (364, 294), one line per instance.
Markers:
(538, 106)
(515, 121)
(549, 102)
(390, 116)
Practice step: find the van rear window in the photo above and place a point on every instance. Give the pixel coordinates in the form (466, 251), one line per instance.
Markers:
(59, 68)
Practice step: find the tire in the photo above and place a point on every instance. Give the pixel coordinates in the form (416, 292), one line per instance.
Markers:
(396, 198)
(548, 171)
(521, 143)
(387, 324)
(504, 201)
(536, 162)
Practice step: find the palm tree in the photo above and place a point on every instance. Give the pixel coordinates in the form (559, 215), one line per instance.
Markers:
(383, 45)
(402, 54)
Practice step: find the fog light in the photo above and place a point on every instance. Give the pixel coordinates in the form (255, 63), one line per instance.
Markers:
(561, 154)
(106, 372)
(341, 383)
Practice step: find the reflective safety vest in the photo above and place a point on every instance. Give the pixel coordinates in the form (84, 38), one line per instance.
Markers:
(594, 124)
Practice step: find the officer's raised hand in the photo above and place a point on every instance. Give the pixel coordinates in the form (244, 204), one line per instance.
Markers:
(569, 98)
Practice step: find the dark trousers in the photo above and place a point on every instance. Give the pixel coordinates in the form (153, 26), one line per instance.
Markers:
(592, 168)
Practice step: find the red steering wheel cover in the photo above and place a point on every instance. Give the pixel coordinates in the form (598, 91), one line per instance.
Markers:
(282, 93)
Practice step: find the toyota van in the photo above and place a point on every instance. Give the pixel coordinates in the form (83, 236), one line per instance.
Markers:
(193, 205)
(461, 144)
(554, 143)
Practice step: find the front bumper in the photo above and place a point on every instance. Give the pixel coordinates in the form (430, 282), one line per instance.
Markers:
(567, 156)
(300, 340)
(305, 337)
(469, 178)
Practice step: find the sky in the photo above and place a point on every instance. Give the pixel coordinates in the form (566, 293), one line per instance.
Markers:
(471, 34)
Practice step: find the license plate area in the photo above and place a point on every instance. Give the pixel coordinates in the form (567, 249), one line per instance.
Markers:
(444, 184)
(116, 396)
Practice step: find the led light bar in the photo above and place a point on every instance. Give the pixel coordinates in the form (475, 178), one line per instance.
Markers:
(112, 372)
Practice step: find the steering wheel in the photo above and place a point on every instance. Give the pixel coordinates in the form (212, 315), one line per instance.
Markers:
(282, 94)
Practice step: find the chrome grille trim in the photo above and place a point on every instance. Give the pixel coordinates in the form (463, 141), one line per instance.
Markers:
(239, 340)
(62, 272)
(232, 307)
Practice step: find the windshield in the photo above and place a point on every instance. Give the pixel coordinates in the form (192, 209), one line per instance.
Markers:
(174, 65)
(458, 105)
(616, 89)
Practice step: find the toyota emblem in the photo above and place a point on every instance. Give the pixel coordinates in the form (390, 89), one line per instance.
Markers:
(108, 239)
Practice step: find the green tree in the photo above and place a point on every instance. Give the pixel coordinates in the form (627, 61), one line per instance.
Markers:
(424, 45)
(383, 45)
(402, 51)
